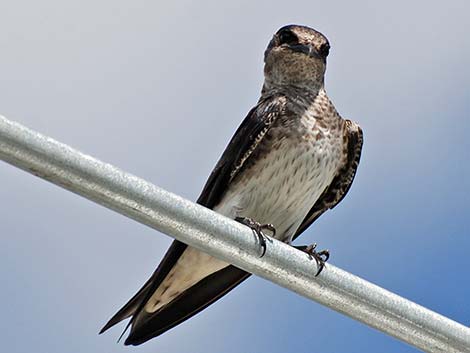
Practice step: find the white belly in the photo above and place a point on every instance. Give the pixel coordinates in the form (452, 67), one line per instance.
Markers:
(284, 187)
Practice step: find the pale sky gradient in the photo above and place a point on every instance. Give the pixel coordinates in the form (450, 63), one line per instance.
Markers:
(157, 89)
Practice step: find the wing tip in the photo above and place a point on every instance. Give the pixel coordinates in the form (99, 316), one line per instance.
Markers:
(106, 327)
(113, 321)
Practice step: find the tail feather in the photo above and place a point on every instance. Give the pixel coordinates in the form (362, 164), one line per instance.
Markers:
(147, 325)
(128, 309)
(140, 298)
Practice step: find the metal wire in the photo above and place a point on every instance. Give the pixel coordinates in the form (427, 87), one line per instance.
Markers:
(228, 240)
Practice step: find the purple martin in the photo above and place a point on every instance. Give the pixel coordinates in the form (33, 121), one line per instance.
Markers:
(291, 159)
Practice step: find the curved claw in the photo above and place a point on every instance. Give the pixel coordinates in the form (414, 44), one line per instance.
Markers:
(320, 257)
(258, 229)
(262, 242)
(320, 264)
(324, 253)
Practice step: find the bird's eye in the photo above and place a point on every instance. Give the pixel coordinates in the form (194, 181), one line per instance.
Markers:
(324, 50)
(287, 37)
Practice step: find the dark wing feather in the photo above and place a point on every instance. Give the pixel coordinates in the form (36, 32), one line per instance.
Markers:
(135, 303)
(208, 290)
(241, 146)
(341, 183)
(187, 304)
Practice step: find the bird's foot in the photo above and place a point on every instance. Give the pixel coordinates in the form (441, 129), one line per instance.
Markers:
(259, 230)
(321, 257)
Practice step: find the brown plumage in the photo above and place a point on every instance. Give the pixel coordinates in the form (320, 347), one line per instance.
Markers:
(291, 159)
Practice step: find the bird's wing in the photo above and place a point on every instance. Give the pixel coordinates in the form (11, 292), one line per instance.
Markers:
(146, 325)
(241, 147)
(341, 183)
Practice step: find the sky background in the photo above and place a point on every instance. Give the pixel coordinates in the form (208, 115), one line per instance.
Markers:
(157, 89)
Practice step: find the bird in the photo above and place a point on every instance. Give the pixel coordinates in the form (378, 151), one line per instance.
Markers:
(292, 158)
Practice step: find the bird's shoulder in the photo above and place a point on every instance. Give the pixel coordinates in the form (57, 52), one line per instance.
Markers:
(353, 141)
(353, 130)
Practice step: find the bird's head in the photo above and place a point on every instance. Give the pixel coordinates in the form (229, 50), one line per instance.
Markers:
(296, 56)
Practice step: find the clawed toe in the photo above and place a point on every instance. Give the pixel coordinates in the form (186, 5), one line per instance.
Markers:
(259, 230)
(320, 257)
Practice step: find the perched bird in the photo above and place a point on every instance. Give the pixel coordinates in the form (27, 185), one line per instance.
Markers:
(291, 159)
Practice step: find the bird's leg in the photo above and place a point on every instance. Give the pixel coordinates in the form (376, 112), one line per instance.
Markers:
(259, 230)
(320, 257)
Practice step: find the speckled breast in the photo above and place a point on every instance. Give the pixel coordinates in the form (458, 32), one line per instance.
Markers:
(298, 161)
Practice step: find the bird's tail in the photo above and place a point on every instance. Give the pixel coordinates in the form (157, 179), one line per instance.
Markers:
(146, 325)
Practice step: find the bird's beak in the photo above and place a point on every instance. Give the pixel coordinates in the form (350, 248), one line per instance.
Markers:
(305, 49)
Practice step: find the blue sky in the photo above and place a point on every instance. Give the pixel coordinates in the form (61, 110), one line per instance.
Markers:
(157, 89)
